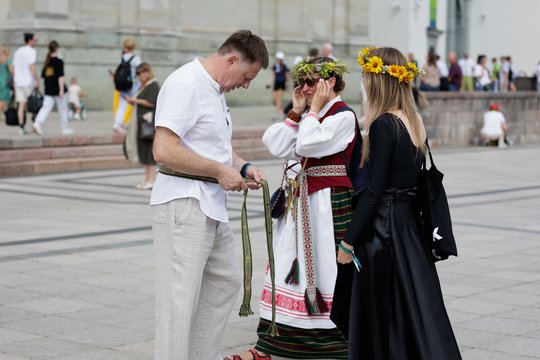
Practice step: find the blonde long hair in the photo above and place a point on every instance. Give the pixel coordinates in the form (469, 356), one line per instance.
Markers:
(385, 94)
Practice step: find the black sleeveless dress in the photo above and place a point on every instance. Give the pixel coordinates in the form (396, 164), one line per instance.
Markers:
(397, 309)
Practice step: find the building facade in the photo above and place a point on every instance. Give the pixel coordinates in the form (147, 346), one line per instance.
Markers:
(170, 33)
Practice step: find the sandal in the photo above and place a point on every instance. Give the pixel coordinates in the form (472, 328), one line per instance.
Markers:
(255, 355)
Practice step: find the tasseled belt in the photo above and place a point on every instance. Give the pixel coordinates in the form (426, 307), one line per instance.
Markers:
(314, 301)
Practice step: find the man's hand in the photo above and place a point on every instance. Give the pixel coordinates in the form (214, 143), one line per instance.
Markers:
(256, 174)
(230, 179)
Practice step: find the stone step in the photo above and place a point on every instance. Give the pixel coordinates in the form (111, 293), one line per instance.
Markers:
(25, 142)
(36, 167)
(63, 152)
(33, 155)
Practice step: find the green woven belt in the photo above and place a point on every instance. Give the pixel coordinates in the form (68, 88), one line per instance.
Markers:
(245, 308)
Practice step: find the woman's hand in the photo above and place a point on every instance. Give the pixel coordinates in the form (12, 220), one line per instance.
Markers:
(322, 95)
(342, 256)
(299, 100)
(130, 99)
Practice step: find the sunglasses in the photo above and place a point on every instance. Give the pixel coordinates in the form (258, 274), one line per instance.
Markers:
(140, 72)
(307, 81)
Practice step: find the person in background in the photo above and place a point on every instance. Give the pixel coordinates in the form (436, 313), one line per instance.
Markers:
(504, 74)
(55, 89)
(145, 101)
(6, 71)
(432, 78)
(317, 138)
(74, 97)
(494, 127)
(313, 53)
(537, 75)
(197, 275)
(281, 77)
(482, 77)
(495, 74)
(25, 76)
(443, 68)
(397, 309)
(467, 69)
(134, 60)
(511, 75)
(454, 73)
(327, 51)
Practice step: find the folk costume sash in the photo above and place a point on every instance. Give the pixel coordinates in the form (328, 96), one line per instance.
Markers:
(317, 174)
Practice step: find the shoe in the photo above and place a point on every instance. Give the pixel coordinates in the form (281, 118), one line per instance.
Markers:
(37, 129)
(254, 354)
(76, 117)
(22, 131)
(67, 131)
(119, 129)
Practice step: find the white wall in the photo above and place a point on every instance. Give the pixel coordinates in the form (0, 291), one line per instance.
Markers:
(502, 27)
(403, 23)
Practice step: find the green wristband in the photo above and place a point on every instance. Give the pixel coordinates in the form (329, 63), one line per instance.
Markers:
(351, 252)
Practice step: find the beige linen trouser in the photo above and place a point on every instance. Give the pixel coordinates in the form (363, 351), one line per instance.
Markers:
(197, 281)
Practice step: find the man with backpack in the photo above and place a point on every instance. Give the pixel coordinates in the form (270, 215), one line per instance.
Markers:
(125, 81)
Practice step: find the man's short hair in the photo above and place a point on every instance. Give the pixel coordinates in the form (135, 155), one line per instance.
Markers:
(28, 37)
(249, 45)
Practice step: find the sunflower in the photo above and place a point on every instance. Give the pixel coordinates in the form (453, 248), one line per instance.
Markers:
(402, 73)
(374, 65)
(409, 77)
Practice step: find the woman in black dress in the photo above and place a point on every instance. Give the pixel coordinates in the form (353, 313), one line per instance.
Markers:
(397, 309)
(145, 100)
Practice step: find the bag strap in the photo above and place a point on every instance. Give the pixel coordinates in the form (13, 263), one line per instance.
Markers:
(127, 62)
(424, 165)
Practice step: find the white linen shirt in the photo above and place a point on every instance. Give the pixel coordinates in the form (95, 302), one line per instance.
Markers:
(312, 138)
(191, 105)
(22, 59)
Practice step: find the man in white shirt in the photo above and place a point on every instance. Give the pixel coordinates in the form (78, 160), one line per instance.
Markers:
(494, 127)
(327, 51)
(197, 273)
(467, 69)
(25, 76)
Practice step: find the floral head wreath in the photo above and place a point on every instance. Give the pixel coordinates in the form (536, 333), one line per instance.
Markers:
(375, 64)
(326, 69)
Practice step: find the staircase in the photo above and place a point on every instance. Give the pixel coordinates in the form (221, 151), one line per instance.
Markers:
(34, 155)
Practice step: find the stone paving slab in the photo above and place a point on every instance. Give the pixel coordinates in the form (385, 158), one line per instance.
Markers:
(76, 261)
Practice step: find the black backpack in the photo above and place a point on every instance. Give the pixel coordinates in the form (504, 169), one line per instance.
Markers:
(123, 81)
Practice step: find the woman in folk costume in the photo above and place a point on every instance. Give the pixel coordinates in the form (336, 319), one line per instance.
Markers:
(319, 133)
(397, 309)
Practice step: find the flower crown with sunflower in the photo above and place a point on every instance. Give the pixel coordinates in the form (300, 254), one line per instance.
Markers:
(375, 64)
(325, 69)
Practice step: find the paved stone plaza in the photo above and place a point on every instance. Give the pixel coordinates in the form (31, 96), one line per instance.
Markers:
(76, 265)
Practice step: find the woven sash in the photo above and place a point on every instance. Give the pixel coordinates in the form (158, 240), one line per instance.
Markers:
(245, 308)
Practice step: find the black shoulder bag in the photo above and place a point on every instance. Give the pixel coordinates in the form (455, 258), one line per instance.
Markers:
(436, 223)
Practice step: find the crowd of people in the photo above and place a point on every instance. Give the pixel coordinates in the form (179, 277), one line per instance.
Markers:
(20, 83)
(466, 74)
